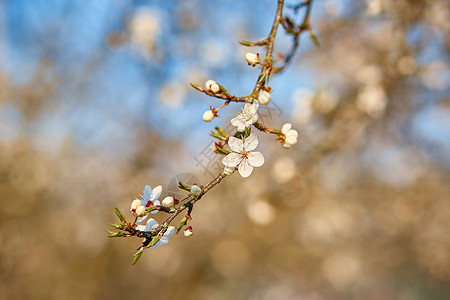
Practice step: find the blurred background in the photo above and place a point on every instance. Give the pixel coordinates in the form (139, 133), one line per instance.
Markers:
(95, 103)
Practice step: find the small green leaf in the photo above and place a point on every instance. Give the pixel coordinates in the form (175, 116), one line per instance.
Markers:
(181, 225)
(119, 214)
(245, 43)
(215, 135)
(248, 130)
(221, 150)
(137, 255)
(116, 225)
(184, 186)
(115, 234)
(224, 91)
(155, 239)
(221, 132)
(196, 86)
(314, 39)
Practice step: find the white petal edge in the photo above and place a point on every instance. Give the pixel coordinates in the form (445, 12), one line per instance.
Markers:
(151, 223)
(256, 159)
(156, 193)
(292, 133)
(235, 144)
(147, 191)
(251, 142)
(245, 169)
(232, 159)
(286, 127)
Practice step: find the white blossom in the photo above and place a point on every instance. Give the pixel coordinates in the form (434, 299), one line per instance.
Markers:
(212, 86)
(264, 98)
(252, 58)
(208, 116)
(290, 135)
(247, 117)
(152, 224)
(243, 156)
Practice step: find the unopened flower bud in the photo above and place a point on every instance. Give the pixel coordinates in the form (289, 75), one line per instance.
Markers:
(196, 190)
(228, 170)
(264, 98)
(208, 116)
(252, 59)
(188, 231)
(140, 211)
(168, 201)
(135, 204)
(212, 86)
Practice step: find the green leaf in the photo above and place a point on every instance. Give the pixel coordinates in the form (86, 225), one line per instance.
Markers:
(196, 86)
(115, 234)
(184, 186)
(137, 255)
(181, 225)
(314, 39)
(248, 130)
(221, 132)
(221, 150)
(215, 135)
(155, 239)
(116, 225)
(245, 43)
(224, 91)
(119, 214)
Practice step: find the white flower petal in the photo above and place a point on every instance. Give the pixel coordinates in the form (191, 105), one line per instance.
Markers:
(232, 159)
(139, 220)
(141, 228)
(236, 121)
(251, 142)
(169, 232)
(256, 159)
(292, 134)
(151, 224)
(235, 144)
(286, 127)
(291, 140)
(147, 191)
(156, 193)
(245, 169)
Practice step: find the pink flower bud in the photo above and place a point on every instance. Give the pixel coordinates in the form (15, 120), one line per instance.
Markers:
(188, 231)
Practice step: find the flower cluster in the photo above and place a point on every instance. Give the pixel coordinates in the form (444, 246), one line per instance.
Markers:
(247, 117)
(149, 199)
